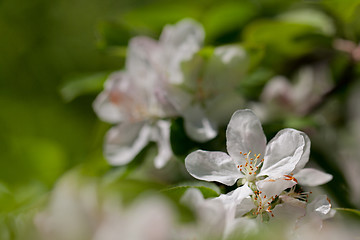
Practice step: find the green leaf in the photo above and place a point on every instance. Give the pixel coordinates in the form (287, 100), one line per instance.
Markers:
(39, 159)
(344, 9)
(82, 85)
(177, 192)
(251, 85)
(285, 38)
(310, 17)
(354, 211)
(225, 17)
(149, 20)
(113, 33)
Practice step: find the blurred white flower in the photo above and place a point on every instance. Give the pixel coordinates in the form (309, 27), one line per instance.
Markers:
(211, 216)
(281, 97)
(73, 211)
(79, 211)
(210, 83)
(138, 98)
(250, 159)
(147, 218)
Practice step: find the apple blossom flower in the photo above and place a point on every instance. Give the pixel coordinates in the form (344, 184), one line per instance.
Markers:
(140, 97)
(79, 210)
(211, 216)
(250, 159)
(281, 97)
(211, 83)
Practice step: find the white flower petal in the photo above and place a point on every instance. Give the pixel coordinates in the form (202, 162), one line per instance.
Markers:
(236, 196)
(312, 177)
(229, 53)
(197, 126)
(283, 152)
(109, 104)
(176, 35)
(143, 52)
(192, 197)
(125, 141)
(244, 133)
(161, 134)
(306, 154)
(212, 166)
(278, 89)
(180, 42)
(273, 187)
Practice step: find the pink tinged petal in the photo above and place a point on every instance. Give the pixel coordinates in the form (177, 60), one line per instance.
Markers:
(312, 177)
(109, 104)
(105, 109)
(125, 141)
(244, 133)
(306, 153)
(212, 166)
(283, 152)
(197, 126)
(273, 187)
(161, 135)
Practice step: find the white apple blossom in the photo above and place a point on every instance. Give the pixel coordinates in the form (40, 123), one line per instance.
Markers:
(211, 84)
(139, 98)
(211, 216)
(282, 97)
(250, 159)
(79, 210)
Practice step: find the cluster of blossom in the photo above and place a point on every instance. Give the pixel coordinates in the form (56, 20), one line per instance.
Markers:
(269, 175)
(174, 77)
(153, 88)
(80, 209)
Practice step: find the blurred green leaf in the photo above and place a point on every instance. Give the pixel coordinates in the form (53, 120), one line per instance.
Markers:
(251, 85)
(35, 159)
(349, 210)
(113, 33)
(310, 17)
(225, 17)
(82, 85)
(150, 19)
(7, 200)
(343, 9)
(279, 37)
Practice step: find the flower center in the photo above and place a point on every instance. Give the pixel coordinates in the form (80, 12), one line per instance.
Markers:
(263, 203)
(252, 165)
